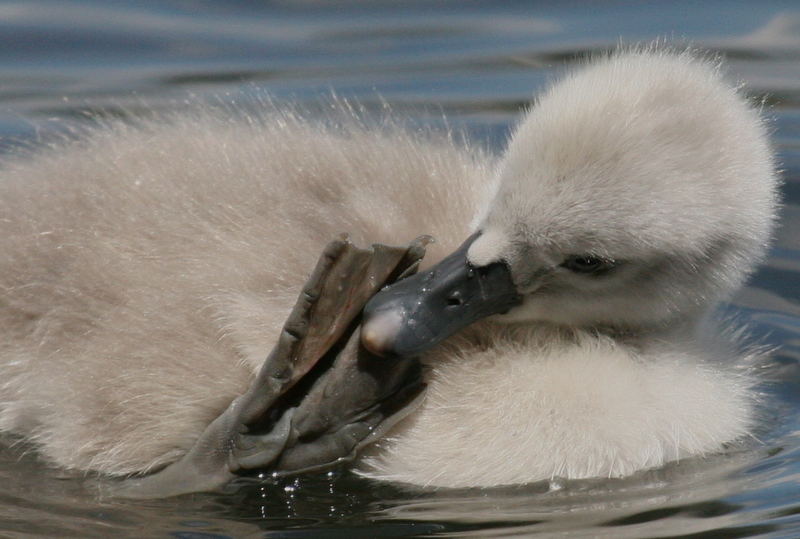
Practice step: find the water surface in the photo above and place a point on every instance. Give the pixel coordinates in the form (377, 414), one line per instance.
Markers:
(477, 64)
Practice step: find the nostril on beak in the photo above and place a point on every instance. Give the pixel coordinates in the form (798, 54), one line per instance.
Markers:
(454, 300)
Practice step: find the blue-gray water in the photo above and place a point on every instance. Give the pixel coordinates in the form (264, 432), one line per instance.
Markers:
(477, 63)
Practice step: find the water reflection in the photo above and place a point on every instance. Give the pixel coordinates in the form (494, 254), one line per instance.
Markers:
(67, 63)
(689, 496)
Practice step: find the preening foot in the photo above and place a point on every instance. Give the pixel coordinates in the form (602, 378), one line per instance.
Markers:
(319, 397)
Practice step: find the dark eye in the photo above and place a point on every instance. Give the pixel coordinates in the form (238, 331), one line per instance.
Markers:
(586, 264)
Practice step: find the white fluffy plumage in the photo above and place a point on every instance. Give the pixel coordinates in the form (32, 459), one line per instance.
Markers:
(147, 270)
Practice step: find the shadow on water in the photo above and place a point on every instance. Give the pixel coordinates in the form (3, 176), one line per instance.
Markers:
(721, 493)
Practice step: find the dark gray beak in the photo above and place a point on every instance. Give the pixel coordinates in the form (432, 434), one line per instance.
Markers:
(416, 313)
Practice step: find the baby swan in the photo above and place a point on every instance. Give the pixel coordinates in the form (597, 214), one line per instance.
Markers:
(634, 195)
(147, 271)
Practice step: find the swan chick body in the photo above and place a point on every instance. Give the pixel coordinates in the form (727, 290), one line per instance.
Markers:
(141, 293)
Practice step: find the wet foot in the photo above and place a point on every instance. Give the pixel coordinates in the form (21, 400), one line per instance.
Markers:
(319, 396)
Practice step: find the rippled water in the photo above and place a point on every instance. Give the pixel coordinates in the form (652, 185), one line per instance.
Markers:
(477, 64)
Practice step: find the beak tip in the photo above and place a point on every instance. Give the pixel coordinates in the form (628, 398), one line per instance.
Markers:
(379, 332)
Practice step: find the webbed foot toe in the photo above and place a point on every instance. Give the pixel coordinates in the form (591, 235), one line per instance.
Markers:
(318, 397)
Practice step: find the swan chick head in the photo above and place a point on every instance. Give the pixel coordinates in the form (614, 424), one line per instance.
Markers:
(635, 193)
(637, 190)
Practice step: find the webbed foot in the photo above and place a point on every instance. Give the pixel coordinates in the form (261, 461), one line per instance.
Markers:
(319, 397)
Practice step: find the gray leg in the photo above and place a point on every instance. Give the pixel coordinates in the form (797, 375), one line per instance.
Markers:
(349, 402)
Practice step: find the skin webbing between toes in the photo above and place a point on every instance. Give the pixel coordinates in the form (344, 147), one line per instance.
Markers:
(344, 278)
